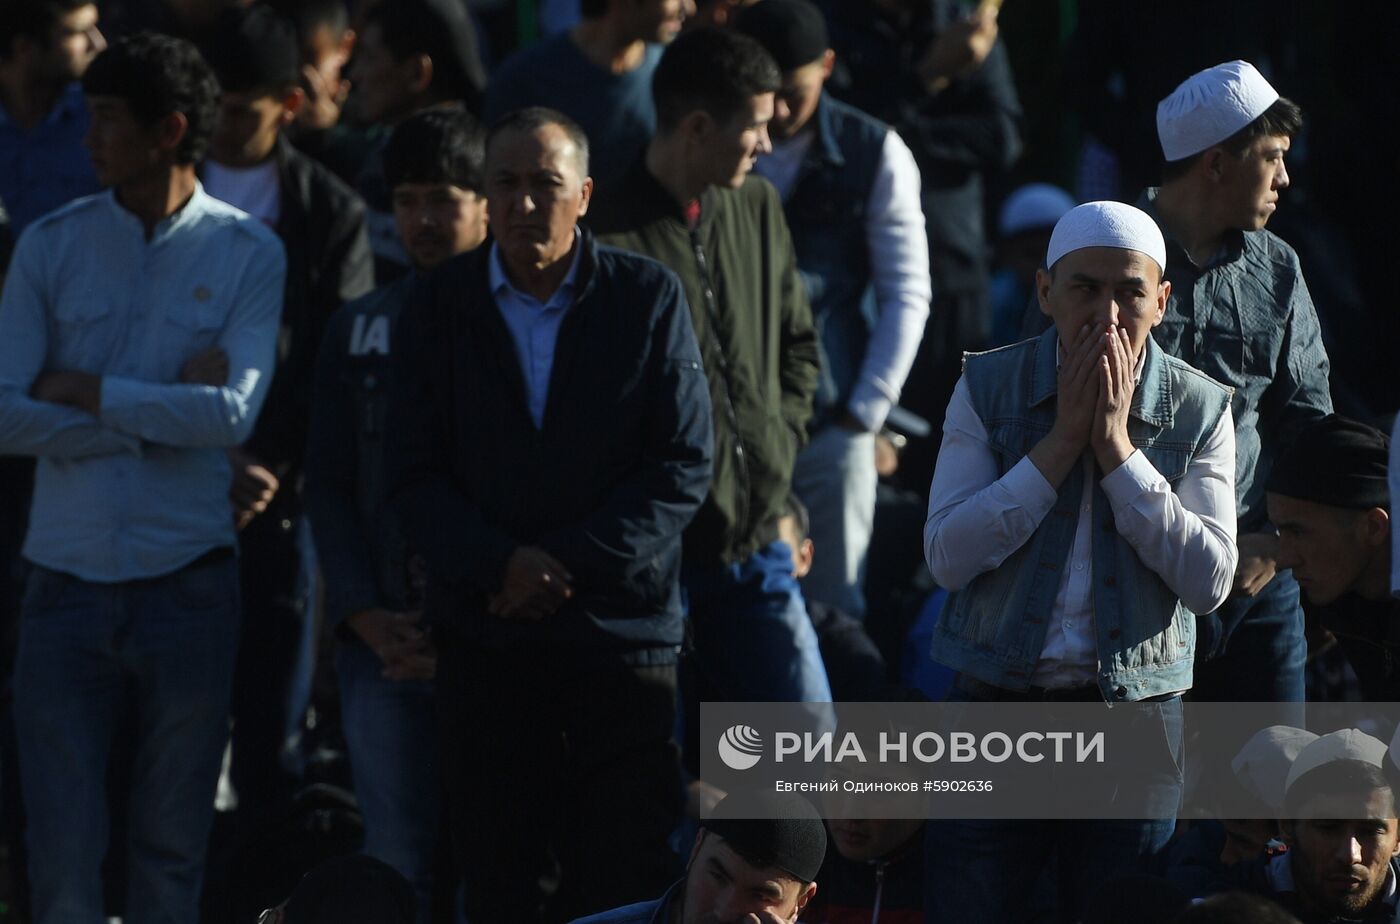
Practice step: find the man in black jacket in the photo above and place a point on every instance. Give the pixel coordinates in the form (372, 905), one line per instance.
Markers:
(322, 224)
(552, 425)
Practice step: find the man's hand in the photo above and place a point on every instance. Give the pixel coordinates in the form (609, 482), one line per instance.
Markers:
(1258, 563)
(73, 389)
(252, 489)
(1109, 433)
(535, 585)
(398, 641)
(325, 97)
(209, 367)
(1076, 401)
(959, 51)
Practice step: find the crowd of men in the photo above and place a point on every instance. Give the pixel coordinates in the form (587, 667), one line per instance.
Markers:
(538, 397)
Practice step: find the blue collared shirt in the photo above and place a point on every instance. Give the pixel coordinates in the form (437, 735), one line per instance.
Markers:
(47, 166)
(534, 326)
(142, 488)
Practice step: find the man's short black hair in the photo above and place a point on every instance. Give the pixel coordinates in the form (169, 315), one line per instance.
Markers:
(254, 50)
(156, 75)
(802, 521)
(33, 19)
(444, 144)
(1337, 777)
(1282, 118)
(594, 9)
(715, 70)
(533, 118)
(442, 30)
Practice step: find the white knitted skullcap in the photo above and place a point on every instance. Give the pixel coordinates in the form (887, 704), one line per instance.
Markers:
(1032, 207)
(1347, 744)
(1210, 106)
(1262, 765)
(1106, 224)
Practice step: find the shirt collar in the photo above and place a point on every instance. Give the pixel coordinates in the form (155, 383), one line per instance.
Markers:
(501, 284)
(187, 214)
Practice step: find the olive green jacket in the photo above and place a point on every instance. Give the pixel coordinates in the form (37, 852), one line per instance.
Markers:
(756, 337)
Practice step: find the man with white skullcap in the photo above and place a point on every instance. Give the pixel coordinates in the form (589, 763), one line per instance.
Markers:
(1340, 826)
(1082, 509)
(1240, 312)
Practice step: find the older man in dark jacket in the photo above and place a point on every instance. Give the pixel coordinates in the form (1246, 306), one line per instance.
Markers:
(554, 435)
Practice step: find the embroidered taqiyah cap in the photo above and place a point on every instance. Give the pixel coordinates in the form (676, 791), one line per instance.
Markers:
(1347, 744)
(1106, 224)
(1210, 106)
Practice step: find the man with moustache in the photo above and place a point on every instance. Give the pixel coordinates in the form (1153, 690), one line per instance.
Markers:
(552, 439)
(1341, 865)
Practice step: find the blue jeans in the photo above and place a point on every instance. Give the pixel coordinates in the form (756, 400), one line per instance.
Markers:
(835, 478)
(1252, 649)
(988, 871)
(391, 732)
(753, 639)
(158, 653)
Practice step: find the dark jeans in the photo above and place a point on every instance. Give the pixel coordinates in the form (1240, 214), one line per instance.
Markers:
(157, 654)
(276, 657)
(988, 871)
(390, 733)
(1252, 649)
(560, 770)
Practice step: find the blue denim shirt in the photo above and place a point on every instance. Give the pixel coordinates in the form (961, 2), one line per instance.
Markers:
(994, 629)
(142, 488)
(1247, 321)
(46, 166)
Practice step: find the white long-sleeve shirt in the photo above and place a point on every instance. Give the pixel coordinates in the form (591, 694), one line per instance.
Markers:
(976, 520)
(897, 241)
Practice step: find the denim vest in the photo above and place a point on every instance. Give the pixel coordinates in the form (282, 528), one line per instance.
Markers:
(826, 213)
(994, 629)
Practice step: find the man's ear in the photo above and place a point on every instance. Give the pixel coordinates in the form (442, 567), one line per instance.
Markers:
(1376, 526)
(807, 894)
(1042, 290)
(828, 63)
(585, 196)
(697, 125)
(422, 74)
(172, 130)
(1213, 163)
(292, 102)
(1164, 292)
